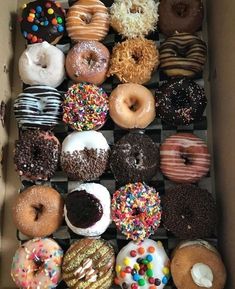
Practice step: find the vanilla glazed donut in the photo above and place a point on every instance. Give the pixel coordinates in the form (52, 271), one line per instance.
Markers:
(38, 106)
(42, 64)
(184, 158)
(87, 209)
(87, 20)
(38, 211)
(88, 61)
(134, 18)
(183, 54)
(84, 155)
(132, 106)
(37, 264)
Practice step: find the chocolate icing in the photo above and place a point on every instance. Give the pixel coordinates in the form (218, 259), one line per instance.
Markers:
(83, 209)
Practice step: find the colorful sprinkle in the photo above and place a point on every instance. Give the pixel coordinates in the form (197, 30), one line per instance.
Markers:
(50, 11)
(165, 271)
(152, 287)
(141, 282)
(48, 5)
(149, 273)
(151, 280)
(128, 269)
(126, 261)
(151, 249)
(34, 39)
(59, 20)
(35, 28)
(122, 274)
(39, 9)
(150, 265)
(164, 280)
(137, 266)
(133, 253)
(149, 258)
(60, 28)
(116, 281)
(134, 286)
(46, 23)
(157, 282)
(141, 250)
(54, 21)
(136, 277)
(118, 268)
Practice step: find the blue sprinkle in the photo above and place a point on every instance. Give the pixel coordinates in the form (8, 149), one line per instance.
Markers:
(25, 34)
(149, 258)
(46, 23)
(136, 277)
(60, 28)
(35, 28)
(39, 9)
(164, 280)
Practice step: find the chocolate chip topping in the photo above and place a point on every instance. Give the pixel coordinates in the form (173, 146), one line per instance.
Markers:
(83, 209)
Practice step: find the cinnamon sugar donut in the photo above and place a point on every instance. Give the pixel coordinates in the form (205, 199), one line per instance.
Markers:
(132, 106)
(87, 20)
(38, 211)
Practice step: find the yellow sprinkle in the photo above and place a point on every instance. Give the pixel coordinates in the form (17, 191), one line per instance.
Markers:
(127, 261)
(24, 6)
(32, 15)
(159, 243)
(118, 268)
(150, 265)
(165, 271)
(137, 267)
(50, 11)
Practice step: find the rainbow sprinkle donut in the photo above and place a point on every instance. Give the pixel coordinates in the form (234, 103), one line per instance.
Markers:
(136, 210)
(85, 107)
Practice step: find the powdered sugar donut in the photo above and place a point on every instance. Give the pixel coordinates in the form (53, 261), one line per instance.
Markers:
(42, 64)
(142, 265)
(87, 210)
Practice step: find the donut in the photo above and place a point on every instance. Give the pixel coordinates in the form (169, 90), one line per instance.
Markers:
(87, 209)
(42, 64)
(183, 54)
(38, 106)
(135, 157)
(37, 264)
(180, 16)
(135, 18)
(89, 263)
(42, 21)
(184, 158)
(142, 265)
(88, 61)
(180, 101)
(38, 211)
(136, 210)
(85, 107)
(197, 264)
(84, 155)
(87, 20)
(134, 60)
(36, 154)
(132, 106)
(189, 212)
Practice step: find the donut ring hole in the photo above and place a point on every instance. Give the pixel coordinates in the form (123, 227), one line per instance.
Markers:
(136, 56)
(181, 52)
(137, 158)
(133, 104)
(180, 9)
(86, 18)
(38, 262)
(38, 210)
(136, 212)
(136, 9)
(90, 59)
(186, 158)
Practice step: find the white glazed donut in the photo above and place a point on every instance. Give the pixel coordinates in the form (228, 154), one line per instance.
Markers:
(144, 265)
(87, 210)
(42, 64)
(84, 155)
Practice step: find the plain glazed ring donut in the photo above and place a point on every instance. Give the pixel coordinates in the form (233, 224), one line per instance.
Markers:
(134, 60)
(180, 16)
(88, 61)
(42, 64)
(135, 18)
(87, 20)
(37, 264)
(132, 106)
(183, 54)
(38, 211)
(180, 101)
(184, 158)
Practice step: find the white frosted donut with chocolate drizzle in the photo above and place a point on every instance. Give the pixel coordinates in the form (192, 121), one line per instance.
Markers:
(87, 20)
(184, 158)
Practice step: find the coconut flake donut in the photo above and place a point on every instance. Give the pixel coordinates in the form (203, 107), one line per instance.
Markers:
(87, 20)
(87, 210)
(135, 18)
(38, 211)
(84, 155)
(37, 264)
(42, 64)
(88, 61)
(142, 265)
(132, 106)
(136, 210)
(36, 154)
(85, 107)
(184, 158)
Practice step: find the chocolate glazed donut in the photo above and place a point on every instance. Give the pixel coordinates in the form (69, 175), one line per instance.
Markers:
(180, 16)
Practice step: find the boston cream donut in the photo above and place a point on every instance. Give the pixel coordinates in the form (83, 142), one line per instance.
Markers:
(197, 264)
(87, 209)
(88, 61)
(87, 20)
(38, 211)
(132, 106)
(42, 64)
(37, 264)
(184, 158)
(142, 265)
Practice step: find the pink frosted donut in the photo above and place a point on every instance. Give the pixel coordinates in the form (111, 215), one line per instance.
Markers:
(37, 264)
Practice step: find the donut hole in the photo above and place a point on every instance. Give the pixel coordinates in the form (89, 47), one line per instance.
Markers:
(136, 9)
(136, 56)
(132, 104)
(38, 210)
(186, 158)
(86, 18)
(138, 158)
(181, 52)
(90, 59)
(38, 262)
(180, 9)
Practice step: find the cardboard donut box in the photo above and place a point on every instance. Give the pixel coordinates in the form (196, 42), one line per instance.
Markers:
(219, 29)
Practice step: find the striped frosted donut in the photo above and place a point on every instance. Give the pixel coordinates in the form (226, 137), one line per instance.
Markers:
(183, 54)
(38, 106)
(184, 158)
(87, 20)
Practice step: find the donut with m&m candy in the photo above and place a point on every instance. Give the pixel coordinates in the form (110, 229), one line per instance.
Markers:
(42, 20)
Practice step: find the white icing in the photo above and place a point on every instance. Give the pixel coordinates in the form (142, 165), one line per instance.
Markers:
(160, 260)
(102, 194)
(199, 243)
(42, 64)
(202, 275)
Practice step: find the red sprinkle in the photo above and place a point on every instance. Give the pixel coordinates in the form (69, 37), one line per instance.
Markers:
(134, 286)
(151, 280)
(128, 269)
(133, 253)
